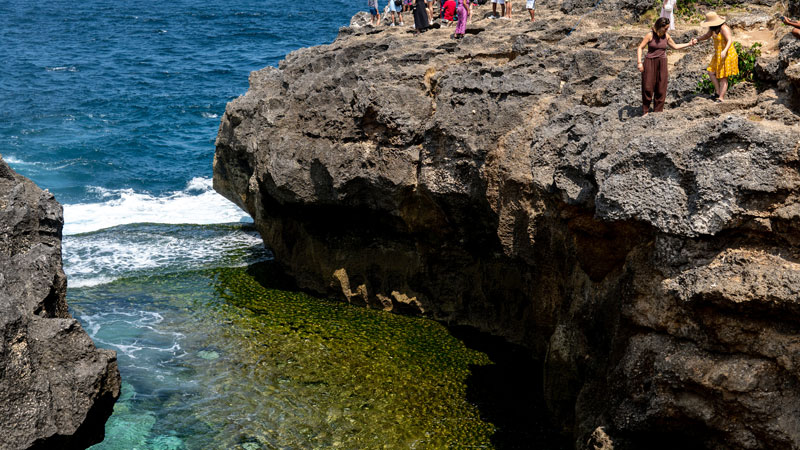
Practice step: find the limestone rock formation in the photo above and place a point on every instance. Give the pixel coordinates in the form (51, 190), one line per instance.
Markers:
(56, 388)
(508, 181)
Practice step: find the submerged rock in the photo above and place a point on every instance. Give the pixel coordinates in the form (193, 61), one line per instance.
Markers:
(507, 181)
(56, 389)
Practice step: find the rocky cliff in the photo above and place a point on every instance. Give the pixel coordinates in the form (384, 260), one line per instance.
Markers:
(56, 388)
(507, 181)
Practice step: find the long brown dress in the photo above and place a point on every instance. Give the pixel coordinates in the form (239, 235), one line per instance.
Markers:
(655, 75)
(420, 16)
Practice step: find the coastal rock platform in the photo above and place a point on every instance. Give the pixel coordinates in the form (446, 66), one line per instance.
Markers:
(508, 181)
(56, 389)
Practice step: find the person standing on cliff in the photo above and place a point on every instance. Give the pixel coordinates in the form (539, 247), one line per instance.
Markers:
(725, 61)
(448, 11)
(464, 11)
(373, 9)
(502, 4)
(396, 7)
(420, 16)
(407, 5)
(667, 12)
(654, 68)
(531, 6)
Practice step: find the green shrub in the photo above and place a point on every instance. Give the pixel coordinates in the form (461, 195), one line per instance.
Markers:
(686, 9)
(747, 65)
(705, 86)
(747, 62)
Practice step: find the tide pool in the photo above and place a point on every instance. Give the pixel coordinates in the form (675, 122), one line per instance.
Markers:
(213, 359)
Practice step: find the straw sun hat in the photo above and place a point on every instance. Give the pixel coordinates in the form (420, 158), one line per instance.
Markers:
(712, 20)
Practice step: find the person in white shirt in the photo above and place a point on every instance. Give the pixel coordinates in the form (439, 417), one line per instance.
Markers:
(531, 6)
(667, 12)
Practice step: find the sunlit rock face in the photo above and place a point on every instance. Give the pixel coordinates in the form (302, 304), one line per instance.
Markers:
(56, 389)
(507, 181)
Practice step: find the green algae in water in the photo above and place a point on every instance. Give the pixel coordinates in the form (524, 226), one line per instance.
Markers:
(251, 367)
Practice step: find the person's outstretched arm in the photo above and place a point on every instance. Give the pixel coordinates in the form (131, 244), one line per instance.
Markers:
(675, 46)
(704, 37)
(794, 23)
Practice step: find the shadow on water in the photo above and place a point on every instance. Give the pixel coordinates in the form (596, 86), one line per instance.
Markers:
(508, 393)
(270, 275)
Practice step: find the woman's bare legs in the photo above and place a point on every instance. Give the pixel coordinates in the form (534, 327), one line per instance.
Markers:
(723, 88)
(714, 80)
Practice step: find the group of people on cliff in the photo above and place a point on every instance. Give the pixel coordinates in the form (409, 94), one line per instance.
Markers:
(449, 11)
(724, 60)
(654, 67)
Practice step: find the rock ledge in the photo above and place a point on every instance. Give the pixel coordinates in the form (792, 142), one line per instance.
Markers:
(56, 389)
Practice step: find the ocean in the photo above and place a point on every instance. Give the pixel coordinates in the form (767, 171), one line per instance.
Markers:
(114, 107)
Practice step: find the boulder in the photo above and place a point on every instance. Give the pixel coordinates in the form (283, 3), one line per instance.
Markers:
(56, 388)
(508, 181)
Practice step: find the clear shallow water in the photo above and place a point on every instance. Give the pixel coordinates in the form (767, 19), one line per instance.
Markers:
(215, 360)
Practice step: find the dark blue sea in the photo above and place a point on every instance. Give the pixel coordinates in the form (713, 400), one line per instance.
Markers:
(114, 107)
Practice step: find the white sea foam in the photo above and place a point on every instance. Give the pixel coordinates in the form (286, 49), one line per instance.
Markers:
(134, 339)
(62, 69)
(78, 282)
(54, 165)
(137, 250)
(197, 204)
(210, 115)
(13, 160)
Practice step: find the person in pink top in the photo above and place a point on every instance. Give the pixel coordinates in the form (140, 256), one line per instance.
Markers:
(464, 11)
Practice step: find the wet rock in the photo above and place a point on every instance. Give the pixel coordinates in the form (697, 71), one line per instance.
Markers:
(56, 388)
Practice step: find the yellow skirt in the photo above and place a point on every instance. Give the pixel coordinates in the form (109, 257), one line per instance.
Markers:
(724, 69)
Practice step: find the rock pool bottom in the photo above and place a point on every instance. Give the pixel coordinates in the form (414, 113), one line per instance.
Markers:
(214, 359)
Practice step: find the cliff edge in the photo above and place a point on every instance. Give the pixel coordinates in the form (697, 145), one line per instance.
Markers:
(56, 389)
(507, 181)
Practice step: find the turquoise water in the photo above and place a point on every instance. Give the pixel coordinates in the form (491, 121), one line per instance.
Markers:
(213, 359)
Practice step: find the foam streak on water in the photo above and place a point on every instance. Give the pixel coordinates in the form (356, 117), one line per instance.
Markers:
(197, 204)
(144, 249)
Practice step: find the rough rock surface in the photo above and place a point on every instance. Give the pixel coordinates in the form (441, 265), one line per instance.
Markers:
(507, 181)
(56, 388)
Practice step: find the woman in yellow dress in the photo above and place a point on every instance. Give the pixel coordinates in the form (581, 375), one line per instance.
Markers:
(725, 61)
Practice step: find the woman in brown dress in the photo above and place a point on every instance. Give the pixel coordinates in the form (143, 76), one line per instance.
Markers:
(654, 68)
